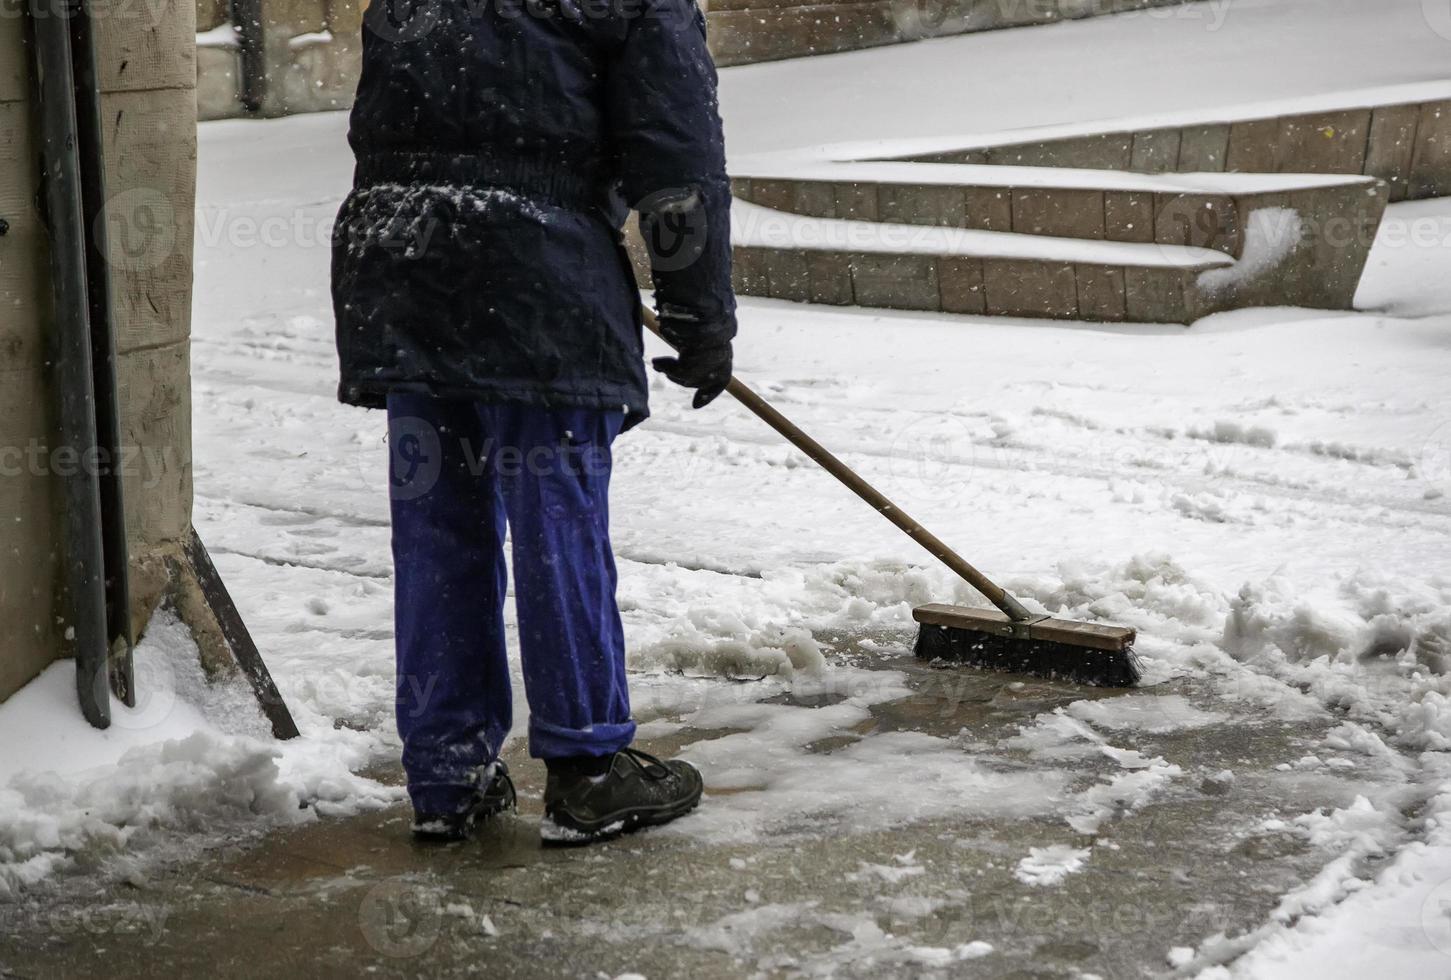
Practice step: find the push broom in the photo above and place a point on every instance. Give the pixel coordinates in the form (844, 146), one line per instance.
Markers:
(1008, 638)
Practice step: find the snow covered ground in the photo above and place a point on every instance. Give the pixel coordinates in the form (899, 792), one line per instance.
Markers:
(1263, 495)
(1301, 55)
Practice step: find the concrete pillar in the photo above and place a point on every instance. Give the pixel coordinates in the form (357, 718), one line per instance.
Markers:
(147, 68)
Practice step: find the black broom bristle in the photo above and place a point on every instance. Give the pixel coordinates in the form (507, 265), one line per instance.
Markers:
(1044, 658)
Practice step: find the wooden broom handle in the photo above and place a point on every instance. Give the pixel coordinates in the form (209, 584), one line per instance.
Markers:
(823, 457)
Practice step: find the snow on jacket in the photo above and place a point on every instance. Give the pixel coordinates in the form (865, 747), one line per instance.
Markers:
(498, 144)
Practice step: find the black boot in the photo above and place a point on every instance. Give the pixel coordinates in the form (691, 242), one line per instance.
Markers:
(496, 796)
(589, 800)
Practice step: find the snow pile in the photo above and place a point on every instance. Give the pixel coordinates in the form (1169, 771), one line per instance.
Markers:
(719, 643)
(705, 623)
(1230, 432)
(1270, 235)
(1122, 793)
(1050, 865)
(1359, 825)
(191, 758)
(1150, 591)
(193, 784)
(1376, 650)
(905, 866)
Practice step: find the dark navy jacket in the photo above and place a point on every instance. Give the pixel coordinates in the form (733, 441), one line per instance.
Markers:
(498, 143)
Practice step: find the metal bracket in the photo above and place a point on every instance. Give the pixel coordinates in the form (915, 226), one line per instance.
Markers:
(234, 633)
(1022, 629)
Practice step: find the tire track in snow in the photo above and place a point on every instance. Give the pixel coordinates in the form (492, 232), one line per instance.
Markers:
(1010, 459)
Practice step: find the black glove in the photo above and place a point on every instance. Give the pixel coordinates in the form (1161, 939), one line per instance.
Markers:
(704, 367)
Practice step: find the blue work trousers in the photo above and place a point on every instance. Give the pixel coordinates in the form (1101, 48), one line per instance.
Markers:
(460, 473)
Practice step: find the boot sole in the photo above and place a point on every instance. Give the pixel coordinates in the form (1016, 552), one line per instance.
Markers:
(485, 812)
(554, 834)
(422, 835)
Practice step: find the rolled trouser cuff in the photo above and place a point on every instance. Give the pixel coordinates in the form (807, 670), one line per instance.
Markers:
(548, 741)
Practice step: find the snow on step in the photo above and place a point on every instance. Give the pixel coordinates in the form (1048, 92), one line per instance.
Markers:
(1117, 67)
(805, 168)
(1231, 112)
(753, 226)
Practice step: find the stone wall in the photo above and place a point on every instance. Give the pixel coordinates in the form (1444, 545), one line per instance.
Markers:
(148, 78)
(1408, 145)
(745, 31)
(312, 48)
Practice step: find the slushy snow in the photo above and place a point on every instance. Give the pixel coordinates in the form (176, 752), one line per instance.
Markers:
(1262, 496)
(1050, 865)
(193, 758)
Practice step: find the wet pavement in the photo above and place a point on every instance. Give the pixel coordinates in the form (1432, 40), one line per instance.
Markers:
(353, 896)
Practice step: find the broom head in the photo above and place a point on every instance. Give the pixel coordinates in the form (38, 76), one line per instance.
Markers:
(1086, 653)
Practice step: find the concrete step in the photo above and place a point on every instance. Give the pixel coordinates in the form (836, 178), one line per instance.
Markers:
(1405, 141)
(1307, 235)
(1199, 253)
(954, 270)
(1162, 220)
(1207, 210)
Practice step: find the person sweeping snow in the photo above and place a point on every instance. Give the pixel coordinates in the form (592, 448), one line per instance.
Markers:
(484, 298)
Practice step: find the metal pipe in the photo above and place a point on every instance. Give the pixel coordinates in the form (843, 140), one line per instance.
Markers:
(246, 17)
(103, 352)
(84, 557)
